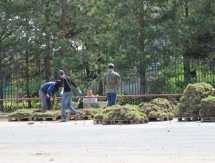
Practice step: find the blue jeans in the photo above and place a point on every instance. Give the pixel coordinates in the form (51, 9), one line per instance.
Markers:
(111, 97)
(66, 102)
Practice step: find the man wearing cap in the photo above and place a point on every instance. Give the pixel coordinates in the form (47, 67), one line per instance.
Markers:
(47, 92)
(111, 81)
(66, 94)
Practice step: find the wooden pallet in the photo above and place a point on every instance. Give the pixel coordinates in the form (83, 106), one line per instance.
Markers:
(146, 120)
(207, 119)
(87, 117)
(59, 117)
(97, 121)
(19, 118)
(120, 122)
(80, 117)
(45, 118)
(161, 119)
(187, 119)
(72, 117)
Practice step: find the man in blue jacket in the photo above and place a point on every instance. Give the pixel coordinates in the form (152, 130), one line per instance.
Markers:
(47, 90)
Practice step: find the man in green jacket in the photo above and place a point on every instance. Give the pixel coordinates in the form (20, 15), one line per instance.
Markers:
(111, 81)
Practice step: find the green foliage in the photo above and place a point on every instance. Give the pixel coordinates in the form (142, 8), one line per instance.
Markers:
(130, 101)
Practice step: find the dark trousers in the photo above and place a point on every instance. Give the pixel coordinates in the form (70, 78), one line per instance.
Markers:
(46, 103)
(49, 104)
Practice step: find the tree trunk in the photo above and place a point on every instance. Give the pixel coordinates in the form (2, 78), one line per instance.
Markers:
(186, 67)
(47, 72)
(27, 79)
(101, 92)
(186, 60)
(1, 93)
(142, 85)
(47, 59)
(1, 84)
(100, 88)
(63, 27)
(142, 49)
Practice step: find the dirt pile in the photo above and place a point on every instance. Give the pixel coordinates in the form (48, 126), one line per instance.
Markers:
(190, 103)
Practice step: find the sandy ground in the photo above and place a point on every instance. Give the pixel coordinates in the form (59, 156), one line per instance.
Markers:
(83, 142)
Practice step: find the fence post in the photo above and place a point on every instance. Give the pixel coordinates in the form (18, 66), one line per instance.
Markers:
(171, 99)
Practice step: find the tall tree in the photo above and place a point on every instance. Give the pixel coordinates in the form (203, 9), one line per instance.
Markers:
(194, 37)
(139, 34)
(10, 24)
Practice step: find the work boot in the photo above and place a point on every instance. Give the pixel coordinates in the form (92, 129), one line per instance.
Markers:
(63, 120)
(76, 116)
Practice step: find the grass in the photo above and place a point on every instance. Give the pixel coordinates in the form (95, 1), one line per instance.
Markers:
(209, 99)
(117, 112)
(21, 113)
(34, 112)
(156, 108)
(135, 115)
(191, 102)
(207, 107)
(88, 111)
(47, 114)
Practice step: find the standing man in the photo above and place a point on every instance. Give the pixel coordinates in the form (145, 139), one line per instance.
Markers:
(46, 93)
(66, 94)
(111, 81)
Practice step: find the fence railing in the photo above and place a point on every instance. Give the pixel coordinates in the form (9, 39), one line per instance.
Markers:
(119, 96)
(11, 104)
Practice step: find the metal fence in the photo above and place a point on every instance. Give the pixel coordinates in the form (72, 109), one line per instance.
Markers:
(168, 76)
(161, 77)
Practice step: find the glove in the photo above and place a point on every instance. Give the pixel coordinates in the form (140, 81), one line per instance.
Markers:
(51, 99)
(47, 95)
(80, 93)
(61, 94)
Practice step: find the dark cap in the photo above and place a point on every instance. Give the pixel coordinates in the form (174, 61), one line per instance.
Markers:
(61, 72)
(110, 65)
(58, 83)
